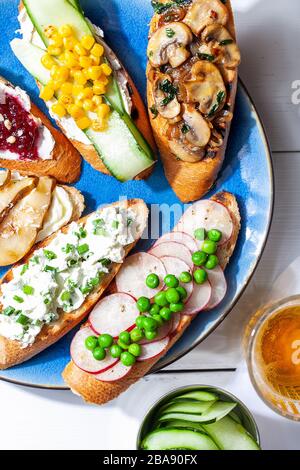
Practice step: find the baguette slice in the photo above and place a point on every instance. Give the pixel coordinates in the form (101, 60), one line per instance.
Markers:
(11, 352)
(197, 177)
(93, 391)
(65, 165)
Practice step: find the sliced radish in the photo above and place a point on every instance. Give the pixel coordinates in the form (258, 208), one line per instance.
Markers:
(132, 277)
(113, 314)
(199, 299)
(176, 266)
(174, 249)
(218, 284)
(179, 237)
(115, 373)
(152, 350)
(84, 359)
(163, 332)
(176, 321)
(208, 215)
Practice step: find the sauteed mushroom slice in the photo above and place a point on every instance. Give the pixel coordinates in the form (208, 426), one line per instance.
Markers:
(204, 12)
(196, 129)
(185, 153)
(165, 98)
(222, 44)
(206, 87)
(168, 44)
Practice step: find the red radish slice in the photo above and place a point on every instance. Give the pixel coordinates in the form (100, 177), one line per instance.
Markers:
(115, 373)
(152, 350)
(176, 321)
(199, 299)
(174, 249)
(114, 314)
(179, 237)
(176, 266)
(163, 332)
(84, 359)
(132, 276)
(218, 284)
(209, 215)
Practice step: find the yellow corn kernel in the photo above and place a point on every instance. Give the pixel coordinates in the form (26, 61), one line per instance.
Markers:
(70, 42)
(47, 61)
(77, 89)
(79, 103)
(94, 72)
(103, 111)
(87, 42)
(75, 111)
(73, 70)
(60, 73)
(85, 61)
(50, 31)
(95, 59)
(106, 69)
(70, 59)
(88, 92)
(104, 80)
(80, 78)
(67, 88)
(66, 100)
(97, 100)
(99, 125)
(46, 93)
(99, 88)
(80, 50)
(58, 109)
(65, 30)
(53, 50)
(88, 105)
(55, 84)
(83, 123)
(97, 50)
(56, 40)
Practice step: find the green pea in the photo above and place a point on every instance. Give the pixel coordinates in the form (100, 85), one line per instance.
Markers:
(209, 247)
(127, 359)
(177, 307)
(182, 292)
(161, 299)
(125, 337)
(105, 341)
(212, 262)
(200, 234)
(99, 353)
(151, 335)
(135, 350)
(154, 310)
(214, 235)
(165, 313)
(200, 276)
(158, 319)
(122, 344)
(149, 324)
(185, 277)
(116, 351)
(143, 304)
(171, 281)
(91, 343)
(136, 335)
(172, 295)
(199, 258)
(152, 281)
(139, 321)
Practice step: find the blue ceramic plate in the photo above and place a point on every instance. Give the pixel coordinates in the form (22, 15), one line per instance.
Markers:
(247, 173)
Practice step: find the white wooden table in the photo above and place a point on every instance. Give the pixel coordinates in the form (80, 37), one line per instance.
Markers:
(269, 34)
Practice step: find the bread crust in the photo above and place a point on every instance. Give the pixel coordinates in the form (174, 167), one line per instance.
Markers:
(11, 352)
(65, 164)
(190, 181)
(94, 391)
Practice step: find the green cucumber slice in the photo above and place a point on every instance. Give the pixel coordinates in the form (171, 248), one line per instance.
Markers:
(235, 417)
(30, 56)
(198, 395)
(229, 435)
(179, 424)
(188, 407)
(177, 439)
(214, 413)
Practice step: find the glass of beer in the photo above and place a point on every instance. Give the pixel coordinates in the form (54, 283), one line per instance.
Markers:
(272, 346)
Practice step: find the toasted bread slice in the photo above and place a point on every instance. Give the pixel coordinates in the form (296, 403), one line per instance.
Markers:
(65, 164)
(12, 353)
(191, 181)
(92, 390)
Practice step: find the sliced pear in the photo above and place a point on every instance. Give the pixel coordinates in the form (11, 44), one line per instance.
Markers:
(12, 192)
(205, 12)
(5, 177)
(18, 231)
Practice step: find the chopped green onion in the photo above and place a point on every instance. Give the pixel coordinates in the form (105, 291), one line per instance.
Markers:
(23, 320)
(18, 299)
(68, 248)
(105, 262)
(226, 42)
(72, 262)
(28, 290)
(50, 254)
(82, 233)
(99, 227)
(8, 311)
(47, 301)
(65, 296)
(115, 224)
(35, 260)
(48, 268)
(24, 269)
(82, 249)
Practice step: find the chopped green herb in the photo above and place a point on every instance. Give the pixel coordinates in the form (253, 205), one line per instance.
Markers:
(85, 290)
(82, 249)
(46, 301)
(8, 311)
(170, 32)
(72, 262)
(24, 269)
(28, 290)
(129, 222)
(65, 296)
(99, 227)
(35, 260)
(115, 224)
(68, 248)
(150, 53)
(95, 281)
(154, 111)
(18, 299)
(225, 42)
(81, 233)
(168, 88)
(220, 98)
(162, 7)
(49, 268)
(72, 285)
(23, 319)
(203, 56)
(105, 262)
(185, 128)
(50, 255)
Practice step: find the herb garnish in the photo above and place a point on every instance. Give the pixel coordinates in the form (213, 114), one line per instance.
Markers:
(154, 111)
(159, 7)
(225, 42)
(170, 32)
(220, 98)
(203, 56)
(168, 88)
(185, 128)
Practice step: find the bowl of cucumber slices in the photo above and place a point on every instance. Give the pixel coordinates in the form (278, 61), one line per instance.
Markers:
(198, 417)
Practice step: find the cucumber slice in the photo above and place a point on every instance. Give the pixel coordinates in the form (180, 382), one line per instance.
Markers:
(177, 439)
(188, 407)
(229, 435)
(198, 395)
(30, 56)
(177, 423)
(214, 413)
(235, 417)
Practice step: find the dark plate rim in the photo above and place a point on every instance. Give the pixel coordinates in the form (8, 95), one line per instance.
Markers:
(234, 302)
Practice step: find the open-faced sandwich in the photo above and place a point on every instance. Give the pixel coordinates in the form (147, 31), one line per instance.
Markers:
(62, 279)
(192, 78)
(28, 141)
(86, 88)
(155, 298)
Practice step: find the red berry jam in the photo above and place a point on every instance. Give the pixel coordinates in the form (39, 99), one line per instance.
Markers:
(19, 132)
